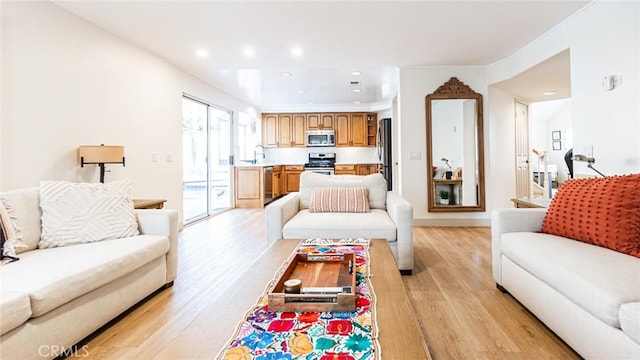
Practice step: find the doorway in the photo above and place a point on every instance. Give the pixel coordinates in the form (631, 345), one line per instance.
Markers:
(206, 150)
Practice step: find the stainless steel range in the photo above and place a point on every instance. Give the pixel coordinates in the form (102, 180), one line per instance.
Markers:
(322, 163)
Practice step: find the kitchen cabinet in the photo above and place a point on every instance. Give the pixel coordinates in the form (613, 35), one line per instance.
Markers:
(317, 121)
(283, 130)
(372, 129)
(366, 169)
(351, 129)
(278, 179)
(291, 130)
(248, 187)
(270, 130)
(292, 177)
(345, 169)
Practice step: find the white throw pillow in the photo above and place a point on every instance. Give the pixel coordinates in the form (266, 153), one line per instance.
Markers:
(76, 213)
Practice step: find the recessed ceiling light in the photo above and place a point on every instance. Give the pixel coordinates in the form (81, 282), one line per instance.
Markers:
(356, 90)
(356, 102)
(356, 73)
(285, 74)
(296, 51)
(301, 91)
(549, 93)
(202, 53)
(248, 52)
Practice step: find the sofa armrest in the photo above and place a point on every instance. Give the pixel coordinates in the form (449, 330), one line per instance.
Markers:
(162, 222)
(510, 220)
(278, 213)
(401, 213)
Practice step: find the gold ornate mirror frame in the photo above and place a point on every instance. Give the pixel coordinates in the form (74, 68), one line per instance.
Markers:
(459, 175)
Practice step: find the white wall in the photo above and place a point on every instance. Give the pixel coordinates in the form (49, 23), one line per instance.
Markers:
(604, 40)
(67, 82)
(415, 84)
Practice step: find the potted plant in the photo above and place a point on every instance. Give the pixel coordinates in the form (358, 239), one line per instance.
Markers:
(444, 197)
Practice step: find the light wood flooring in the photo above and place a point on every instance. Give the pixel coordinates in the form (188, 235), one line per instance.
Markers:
(460, 312)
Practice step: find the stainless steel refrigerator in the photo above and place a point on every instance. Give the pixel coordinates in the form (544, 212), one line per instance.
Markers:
(384, 150)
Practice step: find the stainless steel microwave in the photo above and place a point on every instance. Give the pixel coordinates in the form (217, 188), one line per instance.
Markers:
(317, 138)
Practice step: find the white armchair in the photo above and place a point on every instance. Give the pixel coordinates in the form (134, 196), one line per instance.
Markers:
(391, 216)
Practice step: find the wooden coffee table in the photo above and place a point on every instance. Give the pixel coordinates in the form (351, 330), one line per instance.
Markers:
(400, 336)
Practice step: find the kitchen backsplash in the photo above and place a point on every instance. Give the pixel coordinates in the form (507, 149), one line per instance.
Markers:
(344, 155)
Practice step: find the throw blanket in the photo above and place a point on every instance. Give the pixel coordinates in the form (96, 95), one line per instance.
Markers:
(266, 335)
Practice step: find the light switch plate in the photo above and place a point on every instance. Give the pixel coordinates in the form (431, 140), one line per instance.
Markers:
(414, 155)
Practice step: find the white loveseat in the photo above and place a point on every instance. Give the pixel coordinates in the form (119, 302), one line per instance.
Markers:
(52, 298)
(588, 295)
(391, 216)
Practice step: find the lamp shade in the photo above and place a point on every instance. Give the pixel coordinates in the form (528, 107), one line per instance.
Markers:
(105, 154)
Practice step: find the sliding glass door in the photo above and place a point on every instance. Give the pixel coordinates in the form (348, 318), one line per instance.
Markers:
(206, 146)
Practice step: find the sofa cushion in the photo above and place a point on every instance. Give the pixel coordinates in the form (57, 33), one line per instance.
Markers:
(374, 225)
(76, 213)
(15, 310)
(55, 276)
(630, 320)
(599, 211)
(375, 183)
(340, 199)
(597, 279)
(24, 208)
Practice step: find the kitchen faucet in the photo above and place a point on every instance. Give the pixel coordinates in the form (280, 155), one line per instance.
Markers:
(255, 153)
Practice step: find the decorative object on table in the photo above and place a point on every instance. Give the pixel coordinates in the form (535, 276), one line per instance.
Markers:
(590, 161)
(444, 197)
(265, 334)
(101, 155)
(448, 173)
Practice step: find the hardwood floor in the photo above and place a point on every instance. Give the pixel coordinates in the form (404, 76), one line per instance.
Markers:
(461, 313)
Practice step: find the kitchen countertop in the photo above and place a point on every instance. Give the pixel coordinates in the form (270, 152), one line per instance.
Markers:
(278, 164)
(244, 165)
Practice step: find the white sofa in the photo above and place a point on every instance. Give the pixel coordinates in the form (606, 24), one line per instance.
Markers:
(588, 295)
(391, 216)
(52, 298)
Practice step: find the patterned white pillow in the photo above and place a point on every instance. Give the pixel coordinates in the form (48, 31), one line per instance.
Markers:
(77, 213)
(340, 199)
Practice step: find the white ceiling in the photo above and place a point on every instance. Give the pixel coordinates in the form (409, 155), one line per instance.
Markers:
(336, 38)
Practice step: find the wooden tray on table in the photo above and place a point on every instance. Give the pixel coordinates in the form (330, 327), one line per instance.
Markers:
(328, 284)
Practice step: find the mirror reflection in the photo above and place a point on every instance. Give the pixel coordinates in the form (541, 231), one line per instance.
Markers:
(455, 154)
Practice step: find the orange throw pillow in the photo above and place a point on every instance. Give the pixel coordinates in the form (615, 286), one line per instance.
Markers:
(602, 211)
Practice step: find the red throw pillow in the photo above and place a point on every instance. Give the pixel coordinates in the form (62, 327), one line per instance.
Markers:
(602, 211)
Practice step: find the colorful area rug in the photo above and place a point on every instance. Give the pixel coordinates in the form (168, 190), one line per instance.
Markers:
(267, 335)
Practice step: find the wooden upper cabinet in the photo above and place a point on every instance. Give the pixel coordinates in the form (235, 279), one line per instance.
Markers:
(351, 129)
(343, 137)
(318, 121)
(270, 130)
(285, 127)
(358, 129)
(298, 131)
(289, 129)
(283, 130)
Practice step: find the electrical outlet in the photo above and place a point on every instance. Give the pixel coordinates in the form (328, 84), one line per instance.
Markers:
(168, 157)
(588, 150)
(155, 157)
